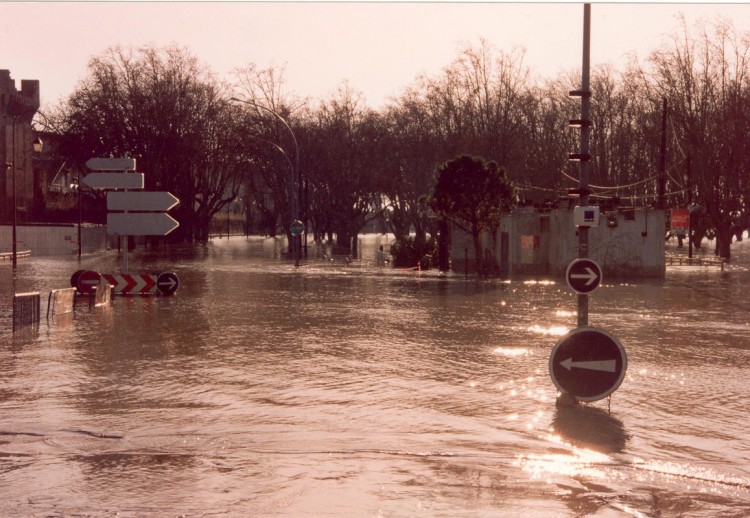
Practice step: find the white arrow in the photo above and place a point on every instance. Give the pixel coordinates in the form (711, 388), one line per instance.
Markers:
(169, 283)
(598, 365)
(591, 276)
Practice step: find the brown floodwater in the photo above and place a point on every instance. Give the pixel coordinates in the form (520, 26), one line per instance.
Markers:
(261, 389)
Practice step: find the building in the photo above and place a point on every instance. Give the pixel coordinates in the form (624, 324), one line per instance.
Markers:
(627, 243)
(17, 107)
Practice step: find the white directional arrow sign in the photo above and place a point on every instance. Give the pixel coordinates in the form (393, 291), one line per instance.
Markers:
(590, 276)
(142, 201)
(588, 363)
(599, 365)
(140, 223)
(114, 180)
(111, 164)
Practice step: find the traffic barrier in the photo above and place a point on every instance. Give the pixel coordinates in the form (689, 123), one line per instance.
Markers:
(61, 301)
(102, 294)
(26, 310)
(7, 256)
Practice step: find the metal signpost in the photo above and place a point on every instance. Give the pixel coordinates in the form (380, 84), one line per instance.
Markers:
(587, 364)
(133, 213)
(114, 180)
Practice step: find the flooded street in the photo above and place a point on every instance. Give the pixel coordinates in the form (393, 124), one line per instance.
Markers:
(330, 390)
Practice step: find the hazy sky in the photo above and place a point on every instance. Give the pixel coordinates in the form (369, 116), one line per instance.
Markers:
(379, 48)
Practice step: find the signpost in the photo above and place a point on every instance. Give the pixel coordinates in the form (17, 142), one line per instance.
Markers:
(140, 223)
(86, 281)
(124, 284)
(588, 363)
(157, 201)
(111, 164)
(114, 180)
(167, 283)
(134, 213)
(680, 221)
(583, 275)
(296, 228)
(160, 283)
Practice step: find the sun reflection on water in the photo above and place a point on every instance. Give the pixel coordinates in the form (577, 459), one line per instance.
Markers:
(579, 462)
(511, 352)
(549, 330)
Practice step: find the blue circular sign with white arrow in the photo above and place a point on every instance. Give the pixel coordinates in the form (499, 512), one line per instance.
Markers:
(167, 283)
(583, 275)
(588, 363)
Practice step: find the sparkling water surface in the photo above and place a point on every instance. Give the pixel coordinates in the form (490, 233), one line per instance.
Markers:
(261, 389)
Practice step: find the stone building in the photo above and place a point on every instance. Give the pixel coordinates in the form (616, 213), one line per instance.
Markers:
(17, 107)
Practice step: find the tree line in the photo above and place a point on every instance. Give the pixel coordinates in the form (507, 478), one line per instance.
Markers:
(357, 164)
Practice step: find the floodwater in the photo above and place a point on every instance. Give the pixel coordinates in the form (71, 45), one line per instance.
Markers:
(333, 390)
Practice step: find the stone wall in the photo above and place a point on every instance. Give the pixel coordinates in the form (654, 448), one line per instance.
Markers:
(54, 240)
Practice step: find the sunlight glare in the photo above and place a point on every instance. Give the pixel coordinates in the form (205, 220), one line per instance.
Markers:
(551, 330)
(511, 351)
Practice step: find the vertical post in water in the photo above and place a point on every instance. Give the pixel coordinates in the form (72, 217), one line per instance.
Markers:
(585, 164)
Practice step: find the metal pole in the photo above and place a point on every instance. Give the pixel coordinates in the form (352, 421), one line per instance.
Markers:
(295, 172)
(662, 157)
(80, 218)
(585, 164)
(15, 196)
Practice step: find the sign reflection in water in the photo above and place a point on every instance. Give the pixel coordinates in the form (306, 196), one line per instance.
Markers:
(330, 390)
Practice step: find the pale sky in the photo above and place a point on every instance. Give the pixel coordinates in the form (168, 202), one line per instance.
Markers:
(379, 48)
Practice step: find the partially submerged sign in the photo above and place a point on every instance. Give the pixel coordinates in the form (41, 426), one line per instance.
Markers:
(588, 363)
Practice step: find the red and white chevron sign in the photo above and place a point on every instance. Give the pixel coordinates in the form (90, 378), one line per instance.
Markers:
(132, 284)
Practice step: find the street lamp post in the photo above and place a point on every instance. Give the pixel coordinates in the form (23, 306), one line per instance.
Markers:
(11, 167)
(76, 184)
(295, 171)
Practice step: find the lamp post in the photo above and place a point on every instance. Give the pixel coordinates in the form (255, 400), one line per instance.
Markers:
(295, 169)
(11, 167)
(76, 185)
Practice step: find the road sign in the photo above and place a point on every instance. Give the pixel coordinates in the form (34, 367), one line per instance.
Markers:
(297, 227)
(111, 164)
(167, 283)
(158, 201)
(86, 281)
(583, 275)
(680, 221)
(588, 363)
(140, 223)
(125, 284)
(114, 180)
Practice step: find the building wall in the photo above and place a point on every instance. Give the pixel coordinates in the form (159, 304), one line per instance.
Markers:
(630, 246)
(17, 107)
(54, 240)
(627, 243)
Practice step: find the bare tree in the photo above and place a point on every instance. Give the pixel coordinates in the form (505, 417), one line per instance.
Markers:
(705, 79)
(164, 108)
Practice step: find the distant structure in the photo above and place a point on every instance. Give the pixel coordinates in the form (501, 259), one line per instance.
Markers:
(627, 243)
(17, 108)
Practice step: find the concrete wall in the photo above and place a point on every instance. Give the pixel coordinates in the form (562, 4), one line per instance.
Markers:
(627, 243)
(54, 240)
